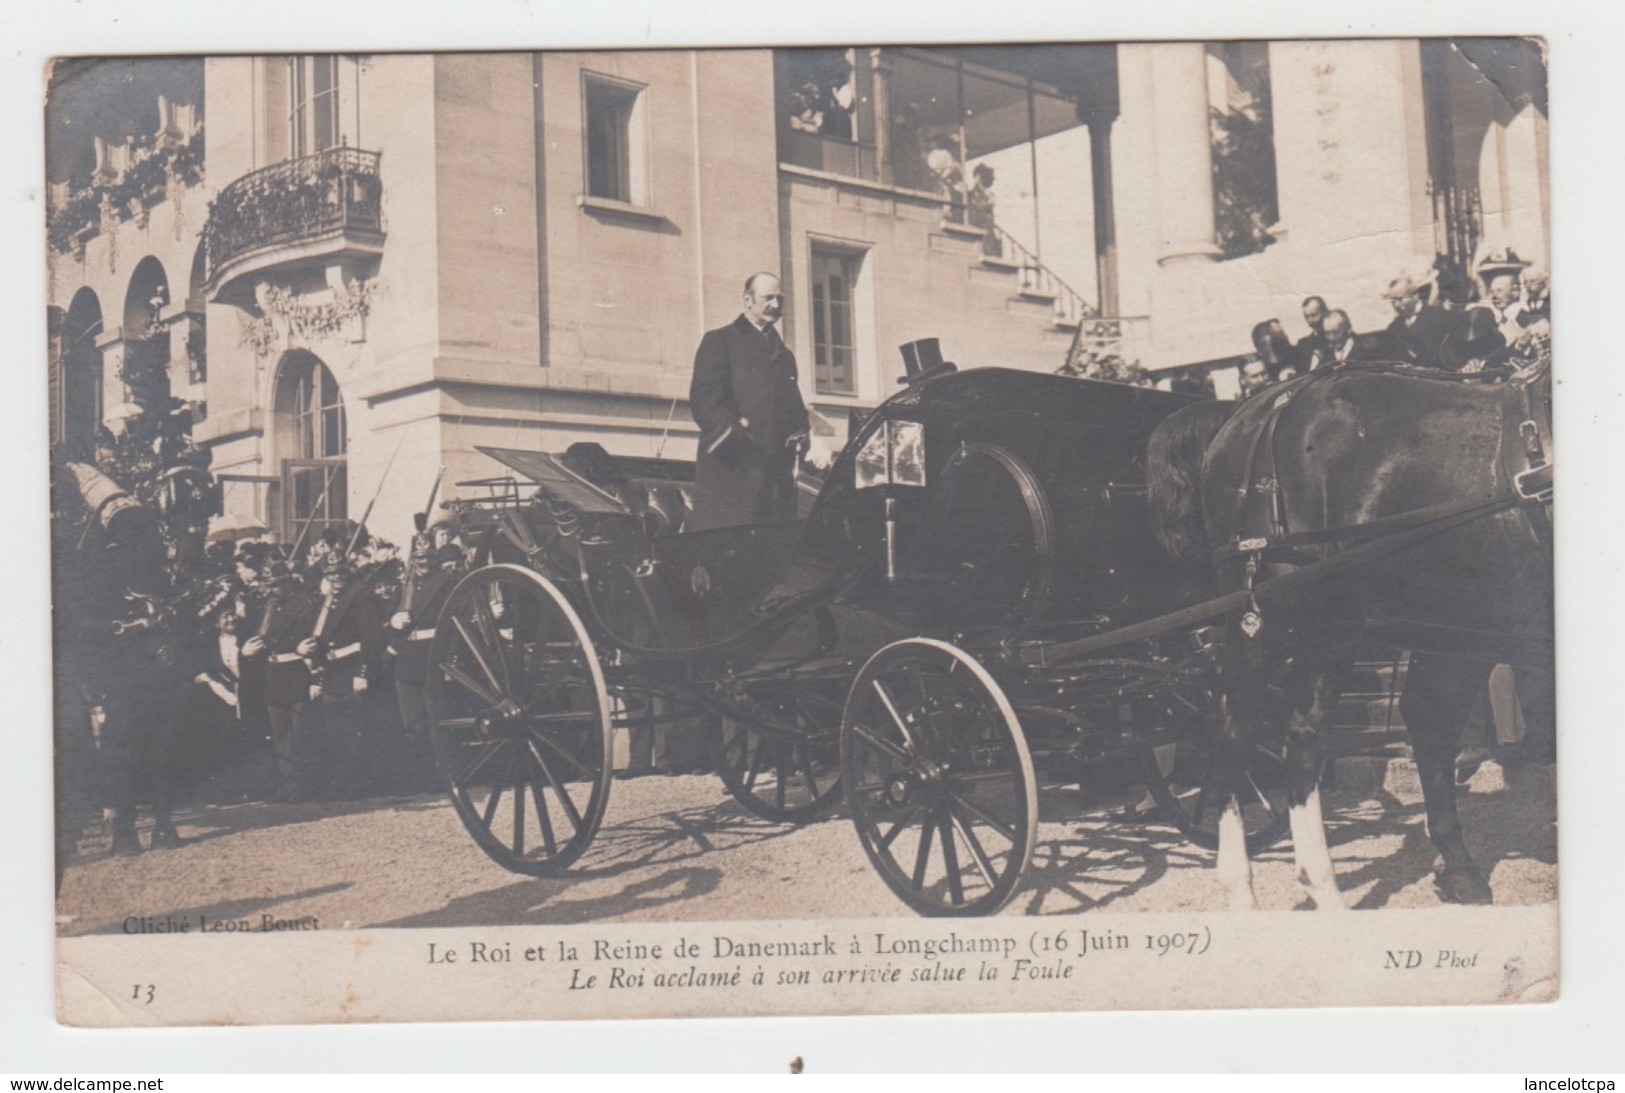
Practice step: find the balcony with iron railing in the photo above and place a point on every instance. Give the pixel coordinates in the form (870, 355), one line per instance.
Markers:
(315, 210)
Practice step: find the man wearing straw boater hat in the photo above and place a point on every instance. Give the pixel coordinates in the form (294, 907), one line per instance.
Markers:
(1420, 326)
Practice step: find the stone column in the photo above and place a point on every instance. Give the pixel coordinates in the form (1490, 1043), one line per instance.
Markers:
(881, 64)
(181, 320)
(1184, 154)
(1100, 176)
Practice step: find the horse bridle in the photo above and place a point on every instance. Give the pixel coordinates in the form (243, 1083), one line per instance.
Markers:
(1534, 483)
(1531, 486)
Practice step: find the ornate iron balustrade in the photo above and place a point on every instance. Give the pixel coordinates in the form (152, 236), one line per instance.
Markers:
(1109, 348)
(332, 193)
(1458, 225)
(1035, 278)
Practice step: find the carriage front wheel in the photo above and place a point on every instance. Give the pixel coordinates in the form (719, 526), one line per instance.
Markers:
(520, 719)
(939, 780)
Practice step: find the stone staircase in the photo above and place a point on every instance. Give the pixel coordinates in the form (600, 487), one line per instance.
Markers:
(1071, 331)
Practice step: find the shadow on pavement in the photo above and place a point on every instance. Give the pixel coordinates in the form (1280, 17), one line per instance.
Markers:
(664, 841)
(1379, 841)
(548, 901)
(204, 822)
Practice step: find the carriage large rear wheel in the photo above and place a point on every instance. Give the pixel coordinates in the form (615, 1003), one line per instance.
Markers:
(786, 766)
(938, 779)
(520, 719)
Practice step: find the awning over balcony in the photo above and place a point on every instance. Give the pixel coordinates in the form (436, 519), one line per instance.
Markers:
(304, 212)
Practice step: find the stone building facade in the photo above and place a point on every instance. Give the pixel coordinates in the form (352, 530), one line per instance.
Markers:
(352, 263)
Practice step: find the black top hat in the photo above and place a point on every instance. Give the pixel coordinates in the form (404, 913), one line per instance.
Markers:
(923, 359)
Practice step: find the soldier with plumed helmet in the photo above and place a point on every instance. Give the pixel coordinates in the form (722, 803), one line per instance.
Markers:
(286, 613)
(345, 648)
(436, 563)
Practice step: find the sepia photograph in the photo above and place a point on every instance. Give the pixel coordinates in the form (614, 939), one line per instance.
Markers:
(642, 533)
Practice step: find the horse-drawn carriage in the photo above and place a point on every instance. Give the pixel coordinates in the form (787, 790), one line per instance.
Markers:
(972, 521)
(972, 603)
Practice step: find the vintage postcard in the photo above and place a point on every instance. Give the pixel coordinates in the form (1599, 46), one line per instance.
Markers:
(791, 531)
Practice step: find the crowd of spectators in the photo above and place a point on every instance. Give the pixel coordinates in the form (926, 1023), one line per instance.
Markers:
(1440, 322)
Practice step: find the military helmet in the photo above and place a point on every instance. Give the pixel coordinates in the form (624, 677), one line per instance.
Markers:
(447, 519)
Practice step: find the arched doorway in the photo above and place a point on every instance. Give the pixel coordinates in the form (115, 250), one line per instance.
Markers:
(79, 410)
(146, 339)
(312, 440)
(1485, 109)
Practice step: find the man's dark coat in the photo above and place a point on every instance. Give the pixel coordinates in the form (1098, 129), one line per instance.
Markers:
(745, 475)
(1314, 351)
(1418, 342)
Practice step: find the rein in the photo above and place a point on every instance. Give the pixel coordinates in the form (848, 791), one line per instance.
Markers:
(1400, 523)
(1533, 484)
(1438, 520)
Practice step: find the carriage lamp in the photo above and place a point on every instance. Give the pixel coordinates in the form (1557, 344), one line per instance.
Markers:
(894, 455)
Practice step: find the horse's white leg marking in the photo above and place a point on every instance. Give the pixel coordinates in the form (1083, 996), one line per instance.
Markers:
(1315, 870)
(1234, 869)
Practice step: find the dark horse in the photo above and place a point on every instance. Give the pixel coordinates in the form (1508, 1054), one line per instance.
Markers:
(1371, 502)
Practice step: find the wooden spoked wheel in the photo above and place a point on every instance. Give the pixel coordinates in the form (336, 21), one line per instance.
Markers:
(788, 771)
(1182, 779)
(520, 719)
(939, 779)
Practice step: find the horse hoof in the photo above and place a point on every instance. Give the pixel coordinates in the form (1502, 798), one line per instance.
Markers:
(1462, 887)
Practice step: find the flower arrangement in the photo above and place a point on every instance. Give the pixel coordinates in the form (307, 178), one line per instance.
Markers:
(286, 315)
(132, 194)
(1108, 367)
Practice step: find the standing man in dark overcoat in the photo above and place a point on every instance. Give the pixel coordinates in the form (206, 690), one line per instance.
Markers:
(436, 565)
(746, 399)
(288, 612)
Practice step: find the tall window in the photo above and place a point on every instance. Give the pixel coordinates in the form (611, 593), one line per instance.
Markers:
(318, 415)
(826, 118)
(313, 110)
(314, 487)
(1242, 130)
(834, 276)
(615, 140)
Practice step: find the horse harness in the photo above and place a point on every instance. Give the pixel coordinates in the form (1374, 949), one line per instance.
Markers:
(1531, 490)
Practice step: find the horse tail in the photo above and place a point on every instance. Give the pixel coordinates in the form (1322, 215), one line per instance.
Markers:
(1174, 472)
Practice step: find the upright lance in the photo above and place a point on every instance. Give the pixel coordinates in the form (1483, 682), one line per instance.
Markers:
(422, 518)
(298, 542)
(361, 525)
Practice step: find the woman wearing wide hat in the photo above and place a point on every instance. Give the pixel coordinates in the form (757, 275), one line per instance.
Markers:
(1492, 323)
